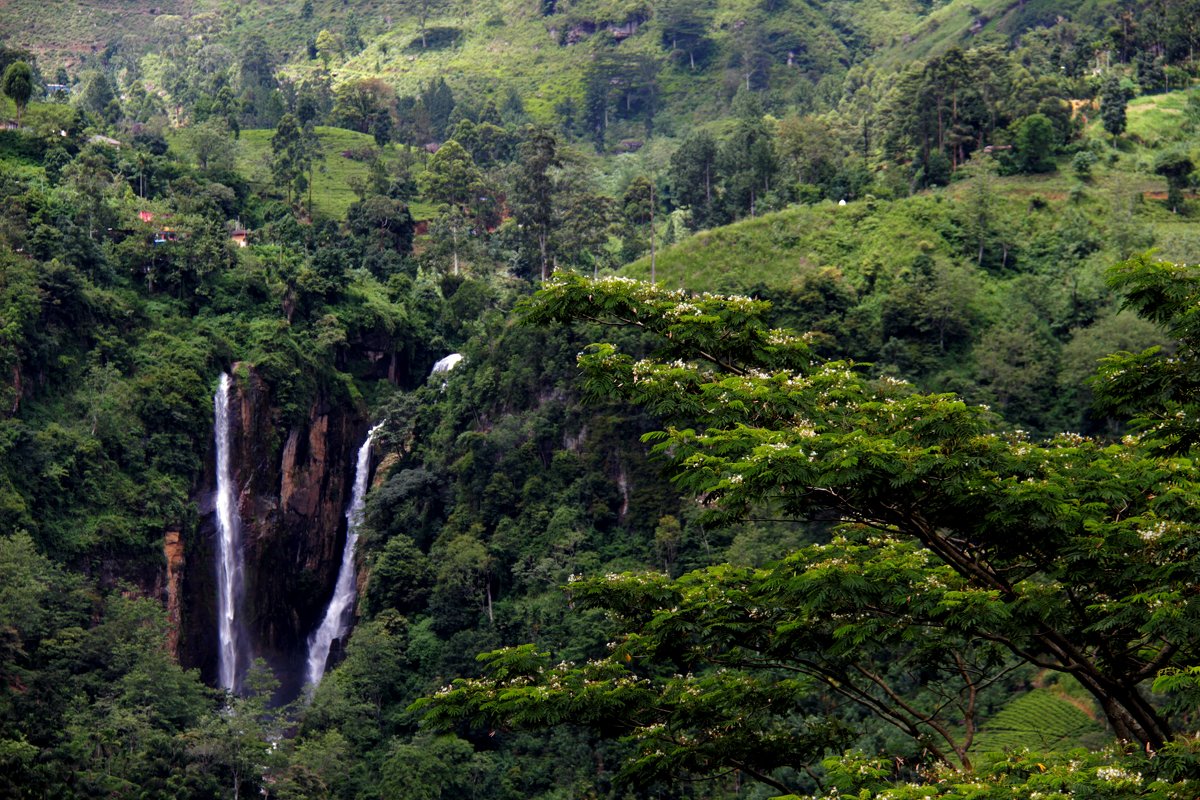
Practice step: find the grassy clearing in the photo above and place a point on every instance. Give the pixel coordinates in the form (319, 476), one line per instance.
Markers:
(332, 171)
(1151, 122)
(1155, 120)
(509, 46)
(1178, 239)
(867, 240)
(331, 193)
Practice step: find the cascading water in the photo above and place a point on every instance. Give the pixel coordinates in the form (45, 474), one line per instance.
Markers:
(337, 616)
(230, 566)
(446, 364)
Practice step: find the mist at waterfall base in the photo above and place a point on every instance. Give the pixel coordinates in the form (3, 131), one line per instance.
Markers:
(338, 615)
(231, 635)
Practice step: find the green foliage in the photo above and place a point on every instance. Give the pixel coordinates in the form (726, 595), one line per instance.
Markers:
(293, 157)
(1034, 144)
(1152, 387)
(1112, 106)
(334, 173)
(365, 105)
(1111, 773)
(499, 485)
(17, 83)
(1082, 164)
(436, 767)
(1176, 166)
(951, 536)
(451, 176)
(533, 192)
(212, 145)
(948, 107)
(92, 703)
(694, 177)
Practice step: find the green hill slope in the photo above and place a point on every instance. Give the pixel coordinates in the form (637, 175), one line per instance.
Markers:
(965, 24)
(873, 239)
(335, 167)
(709, 49)
(1041, 720)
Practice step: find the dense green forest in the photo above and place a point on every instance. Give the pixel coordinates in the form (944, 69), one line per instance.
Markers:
(824, 425)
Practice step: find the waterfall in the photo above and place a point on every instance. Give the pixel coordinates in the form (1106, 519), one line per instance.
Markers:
(337, 616)
(446, 364)
(229, 545)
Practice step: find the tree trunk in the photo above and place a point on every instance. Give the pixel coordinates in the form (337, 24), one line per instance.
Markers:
(542, 249)
(1131, 717)
(652, 253)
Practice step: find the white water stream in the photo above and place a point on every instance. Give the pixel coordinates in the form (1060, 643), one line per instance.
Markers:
(230, 564)
(446, 364)
(337, 619)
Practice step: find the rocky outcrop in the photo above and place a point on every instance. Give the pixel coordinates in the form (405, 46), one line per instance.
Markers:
(294, 481)
(173, 553)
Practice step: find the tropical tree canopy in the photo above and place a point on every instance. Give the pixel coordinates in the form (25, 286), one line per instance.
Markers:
(953, 551)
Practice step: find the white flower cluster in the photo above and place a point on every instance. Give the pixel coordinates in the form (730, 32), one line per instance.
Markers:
(1154, 532)
(1118, 775)
(613, 280)
(681, 310)
(805, 429)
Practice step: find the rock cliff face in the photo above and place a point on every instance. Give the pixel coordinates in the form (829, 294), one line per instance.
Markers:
(173, 553)
(294, 484)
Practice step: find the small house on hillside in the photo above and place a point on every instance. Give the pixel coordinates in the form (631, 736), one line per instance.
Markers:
(240, 236)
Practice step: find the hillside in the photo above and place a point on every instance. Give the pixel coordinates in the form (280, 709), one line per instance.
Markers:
(342, 157)
(863, 237)
(971, 24)
(542, 53)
